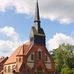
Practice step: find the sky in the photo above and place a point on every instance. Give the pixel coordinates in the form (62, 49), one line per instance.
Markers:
(17, 19)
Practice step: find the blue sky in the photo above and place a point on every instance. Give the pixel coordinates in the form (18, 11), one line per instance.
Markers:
(15, 26)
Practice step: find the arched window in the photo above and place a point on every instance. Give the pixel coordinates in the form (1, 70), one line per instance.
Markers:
(8, 68)
(19, 59)
(39, 55)
(32, 56)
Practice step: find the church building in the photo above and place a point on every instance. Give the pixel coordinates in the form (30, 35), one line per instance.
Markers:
(33, 56)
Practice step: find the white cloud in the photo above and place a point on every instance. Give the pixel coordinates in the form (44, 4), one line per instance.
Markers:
(59, 10)
(10, 43)
(10, 32)
(7, 45)
(59, 39)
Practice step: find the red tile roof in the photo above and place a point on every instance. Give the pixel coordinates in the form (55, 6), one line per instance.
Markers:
(21, 50)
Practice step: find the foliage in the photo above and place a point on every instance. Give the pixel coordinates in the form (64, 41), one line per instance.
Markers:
(66, 71)
(64, 59)
(72, 70)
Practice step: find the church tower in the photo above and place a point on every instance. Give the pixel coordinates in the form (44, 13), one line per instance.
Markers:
(33, 56)
(37, 35)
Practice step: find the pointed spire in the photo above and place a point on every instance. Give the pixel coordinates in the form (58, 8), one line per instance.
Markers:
(37, 17)
(37, 35)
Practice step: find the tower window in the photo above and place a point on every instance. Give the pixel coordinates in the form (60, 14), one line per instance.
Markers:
(39, 55)
(32, 56)
(46, 58)
(19, 59)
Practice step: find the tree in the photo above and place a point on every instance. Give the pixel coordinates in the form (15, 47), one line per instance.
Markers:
(64, 58)
(72, 70)
(66, 71)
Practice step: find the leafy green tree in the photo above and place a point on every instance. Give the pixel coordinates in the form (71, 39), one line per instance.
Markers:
(66, 71)
(64, 59)
(72, 70)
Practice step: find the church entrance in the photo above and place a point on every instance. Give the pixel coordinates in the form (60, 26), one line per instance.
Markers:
(39, 70)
